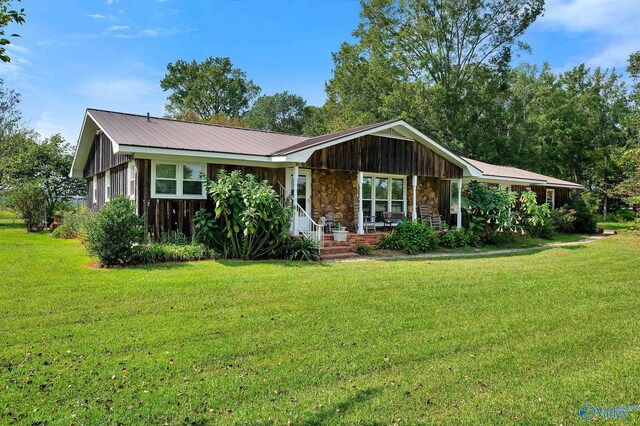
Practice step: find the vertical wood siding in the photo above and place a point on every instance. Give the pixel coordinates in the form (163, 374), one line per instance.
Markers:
(101, 157)
(271, 175)
(378, 154)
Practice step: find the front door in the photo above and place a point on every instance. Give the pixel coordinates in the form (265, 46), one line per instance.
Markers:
(304, 197)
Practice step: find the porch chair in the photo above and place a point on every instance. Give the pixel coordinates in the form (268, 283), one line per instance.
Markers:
(329, 222)
(367, 223)
(433, 219)
(391, 219)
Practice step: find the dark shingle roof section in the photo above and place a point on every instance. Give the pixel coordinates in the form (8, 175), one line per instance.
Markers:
(135, 130)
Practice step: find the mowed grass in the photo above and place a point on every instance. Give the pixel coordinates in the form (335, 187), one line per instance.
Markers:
(521, 339)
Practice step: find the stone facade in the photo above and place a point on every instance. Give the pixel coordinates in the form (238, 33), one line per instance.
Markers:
(334, 191)
(427, 193)
(337, 191)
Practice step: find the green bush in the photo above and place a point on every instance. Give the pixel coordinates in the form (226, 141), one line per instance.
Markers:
(535, 217)
(459, 237)
(491, 209)
(163, 252)
(73, 225)
(304, 249)
(112, 232)
(248, 221)
(411, 238)
(563, 219)
(623, 215)
(585, 221)
(363, 250)
(29, 200)
(636, 226)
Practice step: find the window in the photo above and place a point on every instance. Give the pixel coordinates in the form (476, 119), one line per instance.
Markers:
(383, 194)
(551, 198)
(177, 180)
(454, 196)
(107, 186)
(95, 189)
(131, 179)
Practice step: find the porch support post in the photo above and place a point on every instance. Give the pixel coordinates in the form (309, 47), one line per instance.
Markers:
(414, 184)
(360, 213)
(294, 231)
(459, 213)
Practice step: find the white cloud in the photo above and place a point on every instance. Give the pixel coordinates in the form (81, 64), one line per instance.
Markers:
(18, 55)
(616, 23)
(149, 33)
(118, 28)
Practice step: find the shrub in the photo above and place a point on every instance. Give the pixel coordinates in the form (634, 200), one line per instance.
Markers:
(29, 200)
(112, 232)
(459, 237)
(636, 226)
(562, 219)
(73, 225)
(163, 252)
(363, 250)
(623, 215)
(491, 209)
(585, 221)
(302, 249)
(250, 222)
(534, 216)
(411, 238)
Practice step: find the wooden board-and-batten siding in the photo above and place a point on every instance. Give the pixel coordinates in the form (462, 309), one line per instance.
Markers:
(562, 195)
(378, 154)
(163, 215)
(101, 158)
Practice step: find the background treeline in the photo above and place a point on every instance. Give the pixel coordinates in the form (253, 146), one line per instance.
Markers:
(448, 68)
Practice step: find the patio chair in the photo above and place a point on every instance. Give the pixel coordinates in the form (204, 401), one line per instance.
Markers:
(329, 222)
(433, 219)
(367, 222)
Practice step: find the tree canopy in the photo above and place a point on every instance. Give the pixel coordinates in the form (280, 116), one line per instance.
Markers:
(207, 89)
(8, 15)
(282, 112)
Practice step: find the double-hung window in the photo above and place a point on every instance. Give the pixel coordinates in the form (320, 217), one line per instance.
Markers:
(177, 180)
(551, 198)
(107, 186)
(383, 194)
(131, 179)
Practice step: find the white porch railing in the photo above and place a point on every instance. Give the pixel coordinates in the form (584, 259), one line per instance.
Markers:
(304, 224)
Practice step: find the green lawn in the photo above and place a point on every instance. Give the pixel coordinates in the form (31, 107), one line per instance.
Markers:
(489, 340)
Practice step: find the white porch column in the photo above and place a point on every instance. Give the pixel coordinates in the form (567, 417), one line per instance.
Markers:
(414, 184)
(459, 214)
(360, 213)
(295, 231)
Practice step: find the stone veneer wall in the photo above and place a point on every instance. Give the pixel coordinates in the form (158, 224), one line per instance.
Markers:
(337, 191)
(334, 191)
(428, 190)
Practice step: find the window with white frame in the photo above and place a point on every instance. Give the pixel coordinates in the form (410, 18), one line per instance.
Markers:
(131, 179)
(550, 198)
(95, 189)
(177, 180)
(107, 186)
(383, 193)
(453, 194)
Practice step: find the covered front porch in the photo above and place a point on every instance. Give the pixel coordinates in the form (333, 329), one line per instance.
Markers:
(360, 201)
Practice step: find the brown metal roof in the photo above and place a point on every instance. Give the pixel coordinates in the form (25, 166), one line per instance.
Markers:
(135, 130)
(490, 170)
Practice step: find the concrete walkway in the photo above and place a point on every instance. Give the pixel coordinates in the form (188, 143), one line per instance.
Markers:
(475, 254)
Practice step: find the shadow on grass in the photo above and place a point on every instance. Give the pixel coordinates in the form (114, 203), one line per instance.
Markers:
(332, 414)
(230, 263)
(12, 224)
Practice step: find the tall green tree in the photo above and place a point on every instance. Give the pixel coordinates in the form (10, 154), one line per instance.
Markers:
(282, 112)
(209, 89)
(442, 65)
(8, 15)
(10, 114)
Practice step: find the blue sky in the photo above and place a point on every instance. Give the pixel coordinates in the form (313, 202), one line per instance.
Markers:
(111, 54)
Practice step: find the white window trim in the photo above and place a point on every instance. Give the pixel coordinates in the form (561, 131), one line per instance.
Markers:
(107, 185)
(552, 204)
(95, 189)
(179, 181)
(373, 199)
(131, 176)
